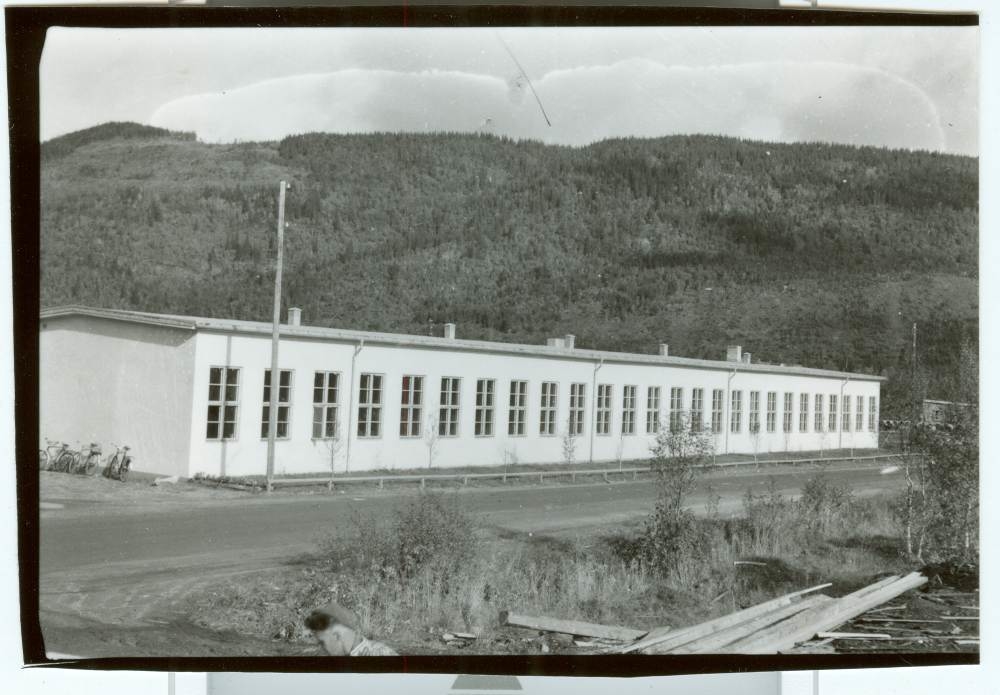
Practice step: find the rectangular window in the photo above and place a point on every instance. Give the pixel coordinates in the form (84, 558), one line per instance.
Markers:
(448, 413)
(518, 408)
(604, 409)
(628, 410)
(754, 412)
(577, 396)
(223, 402)
(772, 411)
(284, 398)
(652, 409)
(326, 387)
(736, 412)
(717, 396)
(547, 416)
(872, 414)
(803, 412)
(832, 421)
(697, 410)
(411, 406)
(859, 417)
(484, 407)
(818, 413)
(370, 405)
(676, 407)
(786, 413)
(845, 423)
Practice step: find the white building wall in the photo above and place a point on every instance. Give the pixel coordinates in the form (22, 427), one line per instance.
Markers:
(300, 453)
(112, 381)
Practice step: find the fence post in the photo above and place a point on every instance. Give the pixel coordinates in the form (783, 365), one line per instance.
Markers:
(465, 480)
(635, 475)
(504, 478)
(606, 477)
(541, 478)
(380, 481)
(572, 477)
(421, 483)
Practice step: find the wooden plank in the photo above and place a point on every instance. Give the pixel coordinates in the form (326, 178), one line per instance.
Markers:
(661, 641)
(853, 635)
(717, 640)
(571, 627)
(897, 620)
(806, 624)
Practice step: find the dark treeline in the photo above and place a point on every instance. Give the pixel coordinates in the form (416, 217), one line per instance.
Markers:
(805, 254)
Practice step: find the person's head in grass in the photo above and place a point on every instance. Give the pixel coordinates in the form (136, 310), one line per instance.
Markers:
(336, 628)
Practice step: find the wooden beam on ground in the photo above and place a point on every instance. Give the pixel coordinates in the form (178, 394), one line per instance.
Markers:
(717, 641)
(661, 641)
(806, 624)
(571, 627)
(854, 635)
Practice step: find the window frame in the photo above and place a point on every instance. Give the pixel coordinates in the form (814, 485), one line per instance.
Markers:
(371, 406)
(652, 409)
(819, 419)
(718, 410)
(548, 409)
(772, 412)
(845, 420)
(833, 412)
(804, 413)
(222, 403)
(859, 416)
(577, 409)
(324, 406)
(485, 408)
(676, 407)
(628, 409)
(736, 411)
(753, 421)
(602, 414)
(453, 409)
(517, 413)
(286, 404)
(407, 406)
(872, 414)
(698, 410)
(788, 412)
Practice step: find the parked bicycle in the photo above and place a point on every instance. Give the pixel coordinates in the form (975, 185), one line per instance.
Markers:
(119, 463)
(48, 456)
(88, 460)
(65, 461)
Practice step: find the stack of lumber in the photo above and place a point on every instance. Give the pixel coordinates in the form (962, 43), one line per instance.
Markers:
(771, 627)
(776, 625)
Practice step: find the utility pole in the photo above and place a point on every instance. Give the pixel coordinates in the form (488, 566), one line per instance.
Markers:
(913, 377)
(272, 409)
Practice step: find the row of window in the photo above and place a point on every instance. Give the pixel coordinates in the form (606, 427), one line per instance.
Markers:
(223, 403)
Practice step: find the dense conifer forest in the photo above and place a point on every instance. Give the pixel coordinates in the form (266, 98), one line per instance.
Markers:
(814, 254)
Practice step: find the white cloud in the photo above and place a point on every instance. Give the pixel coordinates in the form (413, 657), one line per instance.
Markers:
(783, 101)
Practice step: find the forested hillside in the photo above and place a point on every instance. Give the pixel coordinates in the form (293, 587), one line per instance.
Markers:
(812, 254)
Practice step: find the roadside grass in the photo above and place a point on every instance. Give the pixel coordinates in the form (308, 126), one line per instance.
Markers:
(435, 568)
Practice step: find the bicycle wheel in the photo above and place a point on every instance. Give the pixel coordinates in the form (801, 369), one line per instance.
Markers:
(123, 470)
(43, 460)
(91, 466)
(111, 470)
(65, 462)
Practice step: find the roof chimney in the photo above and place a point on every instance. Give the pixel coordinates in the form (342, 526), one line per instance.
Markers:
(294, 316)
(554, 342)
(746, 358)
(449, 331)
(569, 341)
(733, 353)
(664, 350)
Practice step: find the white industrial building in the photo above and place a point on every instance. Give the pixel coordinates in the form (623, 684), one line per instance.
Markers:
(190, 395)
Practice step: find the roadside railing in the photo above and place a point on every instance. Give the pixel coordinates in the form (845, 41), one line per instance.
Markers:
(619, 474)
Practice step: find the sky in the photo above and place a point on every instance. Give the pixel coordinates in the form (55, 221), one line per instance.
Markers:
(900, 87)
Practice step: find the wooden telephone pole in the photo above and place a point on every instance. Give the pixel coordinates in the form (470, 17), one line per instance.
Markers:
(275, 388)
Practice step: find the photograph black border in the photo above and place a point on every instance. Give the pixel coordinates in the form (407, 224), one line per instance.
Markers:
(26, 29)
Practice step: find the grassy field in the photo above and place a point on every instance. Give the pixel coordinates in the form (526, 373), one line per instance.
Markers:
(434, 568)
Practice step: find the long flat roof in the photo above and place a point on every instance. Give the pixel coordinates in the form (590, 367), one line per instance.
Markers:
(196, 323)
